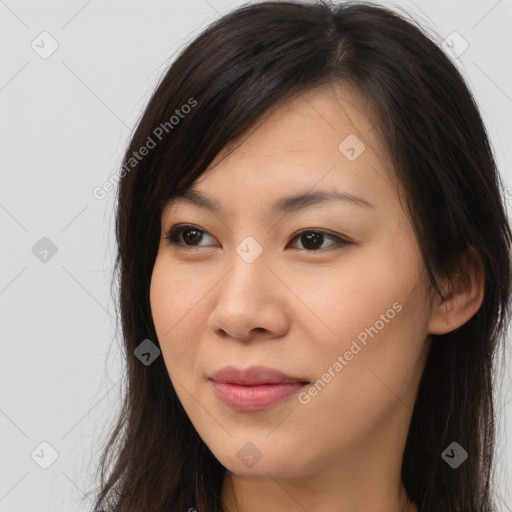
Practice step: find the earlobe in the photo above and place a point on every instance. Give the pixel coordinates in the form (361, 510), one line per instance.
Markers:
(463, 300)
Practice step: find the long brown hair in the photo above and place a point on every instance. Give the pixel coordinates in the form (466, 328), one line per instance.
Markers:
(244, 63)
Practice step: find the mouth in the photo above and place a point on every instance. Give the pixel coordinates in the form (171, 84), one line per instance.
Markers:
(254, 389)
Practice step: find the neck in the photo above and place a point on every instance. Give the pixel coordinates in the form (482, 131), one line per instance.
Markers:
(314, 493)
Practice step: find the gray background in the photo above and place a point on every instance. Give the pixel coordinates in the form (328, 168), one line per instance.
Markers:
(65, 121)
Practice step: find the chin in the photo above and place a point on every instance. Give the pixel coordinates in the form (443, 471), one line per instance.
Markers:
(274, 465)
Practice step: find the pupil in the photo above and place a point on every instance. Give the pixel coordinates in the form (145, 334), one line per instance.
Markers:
(192, 238)
(314, 239)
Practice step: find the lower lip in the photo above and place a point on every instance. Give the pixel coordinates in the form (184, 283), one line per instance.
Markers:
(254, 398)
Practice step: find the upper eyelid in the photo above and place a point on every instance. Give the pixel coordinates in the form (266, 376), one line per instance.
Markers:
(182, 227)
(179, 227)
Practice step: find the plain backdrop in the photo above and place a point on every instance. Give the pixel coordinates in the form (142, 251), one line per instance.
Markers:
(65, 120)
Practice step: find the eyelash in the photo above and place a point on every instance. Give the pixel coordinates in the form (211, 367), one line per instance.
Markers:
(174, 237)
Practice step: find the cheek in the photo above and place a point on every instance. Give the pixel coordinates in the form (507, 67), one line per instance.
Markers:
(377, 319)
(345, 300)
(177, 316)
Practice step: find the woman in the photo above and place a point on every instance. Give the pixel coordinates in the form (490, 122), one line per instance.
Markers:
(314, 274)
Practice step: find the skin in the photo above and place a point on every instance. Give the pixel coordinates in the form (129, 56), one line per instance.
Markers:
(297, 308)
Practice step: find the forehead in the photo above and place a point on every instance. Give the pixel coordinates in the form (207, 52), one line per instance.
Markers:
(313, 120)
(323, 138)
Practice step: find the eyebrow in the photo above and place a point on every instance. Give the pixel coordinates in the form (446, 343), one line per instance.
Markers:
(283, 205)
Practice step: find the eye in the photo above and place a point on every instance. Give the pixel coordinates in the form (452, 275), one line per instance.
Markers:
(312, 240)
(188, 236)
(192, 236)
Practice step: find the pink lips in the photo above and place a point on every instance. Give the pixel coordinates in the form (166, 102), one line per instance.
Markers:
(254, 389)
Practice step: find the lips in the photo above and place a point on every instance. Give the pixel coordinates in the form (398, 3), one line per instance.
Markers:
(253, 376)
(253, 389)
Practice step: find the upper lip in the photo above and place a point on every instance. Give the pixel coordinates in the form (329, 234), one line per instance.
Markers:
(253, 376)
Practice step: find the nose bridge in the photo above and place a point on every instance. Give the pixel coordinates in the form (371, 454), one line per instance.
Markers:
(246, 299)
(248, 268)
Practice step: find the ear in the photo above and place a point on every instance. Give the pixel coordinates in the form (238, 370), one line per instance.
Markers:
(463, 299)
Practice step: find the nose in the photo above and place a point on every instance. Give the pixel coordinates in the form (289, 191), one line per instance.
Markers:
(250, 302)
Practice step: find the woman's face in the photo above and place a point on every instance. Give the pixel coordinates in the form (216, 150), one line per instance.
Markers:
(330, 291)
